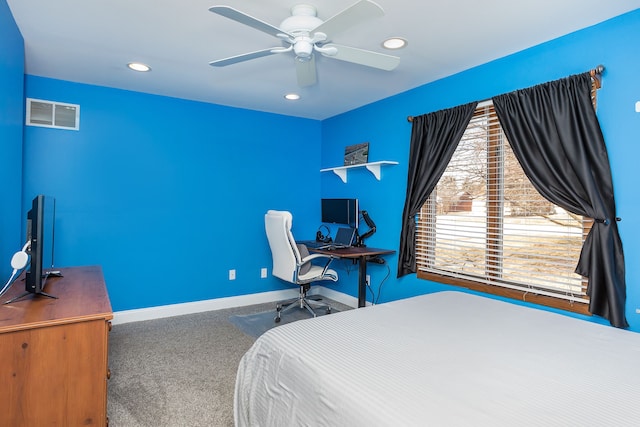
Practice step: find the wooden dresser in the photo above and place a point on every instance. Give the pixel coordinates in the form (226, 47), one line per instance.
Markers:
(53, 352)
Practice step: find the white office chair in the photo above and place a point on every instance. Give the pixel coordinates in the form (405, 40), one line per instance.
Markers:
(290, 266)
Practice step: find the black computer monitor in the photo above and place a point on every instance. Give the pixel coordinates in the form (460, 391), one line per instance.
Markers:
(340, 211)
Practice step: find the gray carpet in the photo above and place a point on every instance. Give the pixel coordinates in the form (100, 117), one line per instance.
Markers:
(178, 371)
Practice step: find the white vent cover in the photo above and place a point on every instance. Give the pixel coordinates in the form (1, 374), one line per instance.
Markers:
(53, 114)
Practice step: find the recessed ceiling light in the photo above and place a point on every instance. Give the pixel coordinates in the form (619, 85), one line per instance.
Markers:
(138, 66)
(292, 96)
(394, 43)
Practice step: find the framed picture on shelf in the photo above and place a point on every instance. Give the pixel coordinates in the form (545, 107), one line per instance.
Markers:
(356, 154)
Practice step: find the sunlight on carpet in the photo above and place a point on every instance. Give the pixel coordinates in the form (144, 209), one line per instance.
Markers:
(258, 323)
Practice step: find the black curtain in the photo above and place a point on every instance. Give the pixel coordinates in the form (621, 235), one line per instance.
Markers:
(434, 138)
(556, 137)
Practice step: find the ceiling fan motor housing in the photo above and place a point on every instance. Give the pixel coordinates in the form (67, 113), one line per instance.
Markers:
(302, 20)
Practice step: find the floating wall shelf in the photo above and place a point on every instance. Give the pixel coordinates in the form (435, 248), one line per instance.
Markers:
(373, 167)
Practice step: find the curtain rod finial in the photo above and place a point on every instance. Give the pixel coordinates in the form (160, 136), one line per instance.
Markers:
(596, 75)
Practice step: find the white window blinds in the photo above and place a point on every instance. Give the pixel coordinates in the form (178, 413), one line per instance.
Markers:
(485, 222)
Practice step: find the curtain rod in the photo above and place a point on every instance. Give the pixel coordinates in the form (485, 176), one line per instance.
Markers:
(596, 75)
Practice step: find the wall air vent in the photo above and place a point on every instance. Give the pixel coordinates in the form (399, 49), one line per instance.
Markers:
(53, 114)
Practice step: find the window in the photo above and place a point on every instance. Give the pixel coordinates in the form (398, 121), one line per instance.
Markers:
(485, 227)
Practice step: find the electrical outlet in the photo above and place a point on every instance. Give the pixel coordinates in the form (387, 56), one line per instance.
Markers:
(263, 273)
(637, 310)
(368, 280)
(232, 274)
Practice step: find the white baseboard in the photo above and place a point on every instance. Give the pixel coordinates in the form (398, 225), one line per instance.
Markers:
(159, 312)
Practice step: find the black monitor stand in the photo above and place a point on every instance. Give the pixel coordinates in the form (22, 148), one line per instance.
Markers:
(369, 233)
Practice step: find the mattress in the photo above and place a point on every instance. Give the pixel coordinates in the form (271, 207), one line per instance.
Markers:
(443, 359)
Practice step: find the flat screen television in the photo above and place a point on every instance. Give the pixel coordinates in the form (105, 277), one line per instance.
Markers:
(340, 211)
(40, 233)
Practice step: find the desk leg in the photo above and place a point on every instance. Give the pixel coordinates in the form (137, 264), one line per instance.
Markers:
(362, 282)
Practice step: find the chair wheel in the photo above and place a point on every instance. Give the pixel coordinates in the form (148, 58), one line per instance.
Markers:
(328, 310)
(277, 319)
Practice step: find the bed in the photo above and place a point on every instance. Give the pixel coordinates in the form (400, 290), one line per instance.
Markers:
(443, 359)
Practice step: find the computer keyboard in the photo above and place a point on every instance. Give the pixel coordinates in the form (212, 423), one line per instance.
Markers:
(314, 244)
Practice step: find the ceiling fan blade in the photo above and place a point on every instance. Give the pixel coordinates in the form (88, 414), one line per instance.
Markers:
(243, 18)
(357, 13)
(363, 57)
(306, 72)
(244, 57)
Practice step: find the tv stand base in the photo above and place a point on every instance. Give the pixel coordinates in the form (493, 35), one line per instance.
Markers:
(24, 294)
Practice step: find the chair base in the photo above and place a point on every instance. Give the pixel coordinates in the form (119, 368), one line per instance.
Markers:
(302, 301)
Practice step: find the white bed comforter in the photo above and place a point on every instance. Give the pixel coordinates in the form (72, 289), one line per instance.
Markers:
(443, 359)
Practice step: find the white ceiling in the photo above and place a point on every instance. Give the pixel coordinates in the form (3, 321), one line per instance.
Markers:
(91, 41)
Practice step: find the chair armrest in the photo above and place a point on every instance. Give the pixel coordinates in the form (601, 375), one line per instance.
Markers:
(314, 256)
(311, 257)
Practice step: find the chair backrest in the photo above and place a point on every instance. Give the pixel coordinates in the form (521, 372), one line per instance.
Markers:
(284, 251)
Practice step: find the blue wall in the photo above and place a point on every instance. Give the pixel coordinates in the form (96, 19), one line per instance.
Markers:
(384, 124)
(11, 120)
(167, 194)
(149, 184)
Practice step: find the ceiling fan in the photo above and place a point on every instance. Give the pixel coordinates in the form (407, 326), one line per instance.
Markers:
(303, 33)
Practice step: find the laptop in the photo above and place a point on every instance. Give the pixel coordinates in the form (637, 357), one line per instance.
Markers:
(344, 238)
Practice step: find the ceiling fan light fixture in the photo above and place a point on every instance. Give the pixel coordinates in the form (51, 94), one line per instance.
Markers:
(394, 43)
(292, 97)
(139, 66)
(303, 48)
